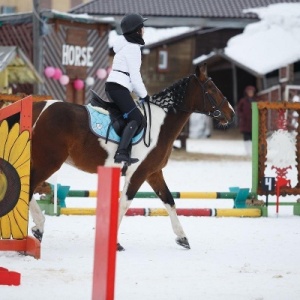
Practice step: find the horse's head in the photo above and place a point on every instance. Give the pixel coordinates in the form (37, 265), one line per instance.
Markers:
(213, 103)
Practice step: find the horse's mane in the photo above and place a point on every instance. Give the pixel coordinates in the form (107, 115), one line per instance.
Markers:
(171, 97)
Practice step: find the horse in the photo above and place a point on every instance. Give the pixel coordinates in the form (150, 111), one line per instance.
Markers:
(61, 134)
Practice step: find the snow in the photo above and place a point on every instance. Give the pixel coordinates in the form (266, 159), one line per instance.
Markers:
(155, 35)
(271, 43)
(230, 258)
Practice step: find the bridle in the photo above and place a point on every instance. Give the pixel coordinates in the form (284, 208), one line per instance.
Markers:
(216, 108)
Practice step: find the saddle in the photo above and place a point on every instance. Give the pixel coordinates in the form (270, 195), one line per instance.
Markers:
(108, 126)
(115, 114)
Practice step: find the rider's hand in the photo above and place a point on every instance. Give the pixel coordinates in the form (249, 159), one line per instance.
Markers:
(147, 99)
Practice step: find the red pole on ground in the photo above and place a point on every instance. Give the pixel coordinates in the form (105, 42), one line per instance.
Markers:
(106, 233)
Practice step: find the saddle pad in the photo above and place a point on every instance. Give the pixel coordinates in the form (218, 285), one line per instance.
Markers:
(99, 123)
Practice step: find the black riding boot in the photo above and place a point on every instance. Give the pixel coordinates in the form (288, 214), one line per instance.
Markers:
(122, 154)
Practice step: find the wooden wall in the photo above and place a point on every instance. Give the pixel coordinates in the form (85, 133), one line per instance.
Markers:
(180, 55)
(95, 36)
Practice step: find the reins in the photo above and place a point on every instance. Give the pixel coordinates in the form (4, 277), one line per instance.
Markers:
(147, 144)
(142, 103)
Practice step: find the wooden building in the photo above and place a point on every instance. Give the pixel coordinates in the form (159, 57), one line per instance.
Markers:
(169, 60)
(77, 46)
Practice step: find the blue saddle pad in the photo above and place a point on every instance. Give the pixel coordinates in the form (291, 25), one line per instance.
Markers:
(99, 123)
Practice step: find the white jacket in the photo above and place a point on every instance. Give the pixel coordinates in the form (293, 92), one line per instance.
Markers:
(128, 58)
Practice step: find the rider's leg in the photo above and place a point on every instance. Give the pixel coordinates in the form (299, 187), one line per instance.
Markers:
(134, 118)
(122, 154)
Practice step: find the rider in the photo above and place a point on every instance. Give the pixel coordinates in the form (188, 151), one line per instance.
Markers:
(124, 78)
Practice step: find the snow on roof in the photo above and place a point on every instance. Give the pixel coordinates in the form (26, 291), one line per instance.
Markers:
(154, 35)
(271, 43)
(82, 17)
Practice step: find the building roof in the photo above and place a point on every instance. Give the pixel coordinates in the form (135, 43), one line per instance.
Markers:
(218, 55)
(176, 8)
(21, 18)
(267, 45)
(19, 67)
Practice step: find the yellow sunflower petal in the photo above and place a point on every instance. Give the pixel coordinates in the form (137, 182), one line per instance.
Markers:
(15, 230)
(3, 136)
(25, 185)
(12, 136)
(24, 169)
(5, 227)
(24, 156)
(18, 147)
(18, 225)
(24, 196)
(23, 209)
(25, 182)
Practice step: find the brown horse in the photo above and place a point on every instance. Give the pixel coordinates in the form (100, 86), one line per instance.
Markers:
(61, 133)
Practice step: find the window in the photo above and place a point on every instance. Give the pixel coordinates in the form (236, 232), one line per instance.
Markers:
(8, 9)
(162, 60)
(284, 74)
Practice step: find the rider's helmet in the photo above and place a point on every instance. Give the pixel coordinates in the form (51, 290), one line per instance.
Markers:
(132, 22)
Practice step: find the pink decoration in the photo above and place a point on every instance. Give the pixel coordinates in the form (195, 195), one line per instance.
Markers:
(101, 73)
(64, 79)
(57, 74)
(108, 70)
(49, 72)
(78, 84)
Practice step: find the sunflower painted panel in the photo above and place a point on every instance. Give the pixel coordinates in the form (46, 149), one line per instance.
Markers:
(14, 181)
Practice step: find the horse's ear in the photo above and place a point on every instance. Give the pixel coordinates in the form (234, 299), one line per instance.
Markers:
(201, 70)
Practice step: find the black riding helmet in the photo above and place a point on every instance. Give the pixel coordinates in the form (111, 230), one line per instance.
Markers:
(132, 22)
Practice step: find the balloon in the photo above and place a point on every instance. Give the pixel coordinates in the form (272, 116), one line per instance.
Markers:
(49, 72)
(101, 73)
(57, 74)
(78, 84)
(64, 79)
(89, 81)
(108, 70)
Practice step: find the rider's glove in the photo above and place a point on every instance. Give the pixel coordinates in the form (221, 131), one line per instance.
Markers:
(146, 99)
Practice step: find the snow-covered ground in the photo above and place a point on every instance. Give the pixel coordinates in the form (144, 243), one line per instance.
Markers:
(230, 258)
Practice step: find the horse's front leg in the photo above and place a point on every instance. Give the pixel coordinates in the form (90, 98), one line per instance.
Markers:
(131, 186)
(159, 186)
(124, 204)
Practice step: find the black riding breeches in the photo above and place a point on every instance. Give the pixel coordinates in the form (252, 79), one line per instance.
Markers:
(122, 98)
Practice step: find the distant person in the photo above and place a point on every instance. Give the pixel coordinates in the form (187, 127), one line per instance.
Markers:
(244, 112)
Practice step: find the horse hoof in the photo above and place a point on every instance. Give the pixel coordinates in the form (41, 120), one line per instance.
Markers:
(183, 242)
(120, 247)
(37, 234)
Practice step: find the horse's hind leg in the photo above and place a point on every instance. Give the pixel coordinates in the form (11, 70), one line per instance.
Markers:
(43, 167)
(159, 186)
(38, 219)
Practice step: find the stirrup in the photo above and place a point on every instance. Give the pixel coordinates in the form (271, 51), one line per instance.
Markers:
(121, 157)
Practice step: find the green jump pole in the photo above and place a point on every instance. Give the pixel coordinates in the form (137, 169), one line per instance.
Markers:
(176, 195)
